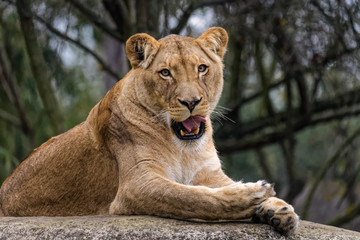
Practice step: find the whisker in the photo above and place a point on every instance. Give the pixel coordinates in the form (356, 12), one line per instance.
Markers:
(224, 108)
(217, 118)
(219, 114)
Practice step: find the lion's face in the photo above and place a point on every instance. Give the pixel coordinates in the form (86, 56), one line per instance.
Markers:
(179, 78)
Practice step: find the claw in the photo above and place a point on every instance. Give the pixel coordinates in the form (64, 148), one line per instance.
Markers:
(260, 210)
(284, 209)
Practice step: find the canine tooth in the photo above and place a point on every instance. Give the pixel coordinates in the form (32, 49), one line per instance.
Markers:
(197, 131)
(182, 133)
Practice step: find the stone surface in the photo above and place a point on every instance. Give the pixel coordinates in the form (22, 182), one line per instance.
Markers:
(146, 227)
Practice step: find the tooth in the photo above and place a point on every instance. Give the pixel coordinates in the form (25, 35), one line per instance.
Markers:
(182, 133)
(196, 132)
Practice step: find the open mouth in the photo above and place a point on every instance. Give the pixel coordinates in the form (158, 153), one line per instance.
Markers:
(189, 129)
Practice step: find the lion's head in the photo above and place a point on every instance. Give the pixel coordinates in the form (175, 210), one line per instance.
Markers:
(179, 78)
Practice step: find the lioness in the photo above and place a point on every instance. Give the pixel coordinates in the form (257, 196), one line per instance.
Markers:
(147, 147)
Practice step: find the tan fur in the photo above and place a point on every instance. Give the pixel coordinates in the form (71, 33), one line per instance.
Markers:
(126, 159)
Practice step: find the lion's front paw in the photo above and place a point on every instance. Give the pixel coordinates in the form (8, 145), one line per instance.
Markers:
(259, 190)
(278, 214)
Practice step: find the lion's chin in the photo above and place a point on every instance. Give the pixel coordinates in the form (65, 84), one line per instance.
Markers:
(189, 129)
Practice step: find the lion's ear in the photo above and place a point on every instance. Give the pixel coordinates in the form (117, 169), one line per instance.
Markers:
(141, 49)
(214, 39)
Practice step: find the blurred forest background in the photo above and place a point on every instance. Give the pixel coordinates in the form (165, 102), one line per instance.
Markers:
(291, 97)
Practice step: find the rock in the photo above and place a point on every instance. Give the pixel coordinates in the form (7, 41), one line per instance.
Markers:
(147, 227)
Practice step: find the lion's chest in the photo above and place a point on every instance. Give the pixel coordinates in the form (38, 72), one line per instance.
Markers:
(184, 168)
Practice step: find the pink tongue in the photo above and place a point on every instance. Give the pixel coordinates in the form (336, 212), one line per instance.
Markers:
(193, 123)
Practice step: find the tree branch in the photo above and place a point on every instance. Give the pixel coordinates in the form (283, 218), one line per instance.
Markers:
(334, 52)
(191, 8)
(326, 61)
(287, 56)
(13, 95)
(75, 42)
(9, 84)
(261, 92)
(324, 169)
(9, 118)
(345, 218)
(38, 66)
(264, 79)
(121, 16)
(261, 156)
(336, 103)
(100, 23)
(260, 140)
(79, 44)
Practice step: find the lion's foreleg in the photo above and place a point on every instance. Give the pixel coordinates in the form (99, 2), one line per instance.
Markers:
(156, 195)
(212, 178)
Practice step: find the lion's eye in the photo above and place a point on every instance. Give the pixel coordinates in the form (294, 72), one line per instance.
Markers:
(165, 72)
(202, 68)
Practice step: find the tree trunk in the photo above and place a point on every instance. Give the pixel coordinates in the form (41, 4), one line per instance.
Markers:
(38, 67)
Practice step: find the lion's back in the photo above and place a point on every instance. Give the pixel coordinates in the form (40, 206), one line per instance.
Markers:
(64, 176)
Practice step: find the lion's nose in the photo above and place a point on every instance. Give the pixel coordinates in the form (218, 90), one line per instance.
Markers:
(190, 104)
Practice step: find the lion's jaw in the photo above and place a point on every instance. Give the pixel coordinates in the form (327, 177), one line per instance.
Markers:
(179, 79)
